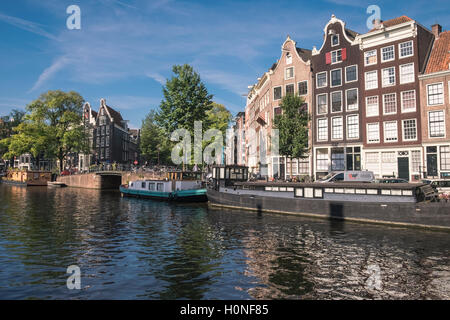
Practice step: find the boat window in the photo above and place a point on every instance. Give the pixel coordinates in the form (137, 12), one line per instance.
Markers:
(143, 184)
(222, 173)
(339, 177)
(160, 187)
(151, 186)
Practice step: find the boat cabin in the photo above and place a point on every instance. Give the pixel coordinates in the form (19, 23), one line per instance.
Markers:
(225, 176)
(184, 175)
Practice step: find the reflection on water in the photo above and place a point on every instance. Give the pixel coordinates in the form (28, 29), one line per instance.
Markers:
(139, 249)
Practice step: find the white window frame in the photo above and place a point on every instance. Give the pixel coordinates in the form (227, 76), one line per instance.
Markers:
(381, 53)
(347, 126)
(331, 56)
(274, 99)
(331, 78)
(331, 101)
(415, 101)
(376, 55)
(357, 99)
(365, 79)
(293, 73)
(342, 129)
(318, 127)
(396, 106)
(384, 131)
(367, 132)
(429, 125)
(383, 84)
(331, 40)
(307, 88)
(400, 50)
(317, 103)
(403, 130)
(400, 72)
(378, 108)
(317, 79)
(443, 94)
(288, 84)
(346, 81)
(288, 58)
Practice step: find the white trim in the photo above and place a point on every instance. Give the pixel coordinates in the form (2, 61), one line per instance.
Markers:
(288, 84)
(326, 79)
(383, 85)
(353, 65)
(365, 79)
(415, 101)
(342, 128)
(429, 127)
(273, 91)
(307, 88)
(328, 129)
(400, 72)
(381, 53)
(403, 129)
(331, 40)
(347, 126)
(396, 106)
(357, 100)
(400, 50)
(331, 101)
(376, 55)
(378, 109)
(331, 56)
(293, 72)
(317, 103)
(384, 131)
(443, 94)
(331, 78)
(367, 133)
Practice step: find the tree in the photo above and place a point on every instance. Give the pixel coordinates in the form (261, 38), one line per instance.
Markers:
(154, 145)
(7, 124)
(293, 127)
(218, 117)
(186, 100)
(53, 126)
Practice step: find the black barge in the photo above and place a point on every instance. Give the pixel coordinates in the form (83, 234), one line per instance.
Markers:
(401, 204)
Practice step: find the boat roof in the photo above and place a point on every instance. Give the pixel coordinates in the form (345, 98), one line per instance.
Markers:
(364, 185)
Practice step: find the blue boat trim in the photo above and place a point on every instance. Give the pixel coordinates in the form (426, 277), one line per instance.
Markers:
(180, 195)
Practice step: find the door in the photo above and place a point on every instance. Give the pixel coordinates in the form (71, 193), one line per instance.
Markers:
(403, 168)
(432, 165)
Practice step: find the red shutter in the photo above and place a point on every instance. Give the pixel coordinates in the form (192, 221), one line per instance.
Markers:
(344, 54)
(328, 58)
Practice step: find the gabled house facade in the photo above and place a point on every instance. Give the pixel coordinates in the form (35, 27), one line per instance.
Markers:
(336, 112)
(393, 55)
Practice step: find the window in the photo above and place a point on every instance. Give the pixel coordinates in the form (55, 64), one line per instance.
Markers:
(107, 130)
(337, 159)
(370, 57)
(373, 133)
(387, 54)
(388, 77)
(303, 166)
(372, 157)
(321, 80)
(103, 142)
(390, 103)
(407, 73)
(406, 49)
(408, 99)
(277, 111)
(372, 107)
(143, 185)
(351, 98)
(353, 127)
(336, 101)
(322, 106)
(435, 94)
(416, 161)
(371, 80)
(390, 131)
(445, 157)
(436, 124)
(334, 40)
(336, 128)
(336, 77)
(336, 56)
(160, 186)
(322, 160)
(288, 58)
(290, 89)
(289, 73)
(107, 141)
(302, 88)
(277, 93)
(351, 73)
(409, 130)
(322, 129)
(151, 186)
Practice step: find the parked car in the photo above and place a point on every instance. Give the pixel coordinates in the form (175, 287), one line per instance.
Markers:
(348, 176)
(390, 180)
(65, 173)
(440, 185)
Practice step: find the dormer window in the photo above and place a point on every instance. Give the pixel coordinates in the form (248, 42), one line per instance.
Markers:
(334, 40)
(288, 58)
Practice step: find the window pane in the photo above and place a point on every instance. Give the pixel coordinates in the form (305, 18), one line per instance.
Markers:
(389, 77)
(406, 49)
(336, 127)
(353, 127)
(303, 87)
(409, 100)
(336, 101)
(350, 73)
(387, 53)
(322, 129)
(290, 89)
(321, 79)
(445, 157)
(436, 124)
(372, 108)
(371, 80)
(390, 103)
(370, 57)
(407, 73)
(373, 132)
(390, 131)
(435, 94)
(409, 129)
(277, 93)
(322, 104)
(336, 77)
(352, 99)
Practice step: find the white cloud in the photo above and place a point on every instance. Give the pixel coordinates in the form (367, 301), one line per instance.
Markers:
(57, 65)
(157, 77)
(26, 25)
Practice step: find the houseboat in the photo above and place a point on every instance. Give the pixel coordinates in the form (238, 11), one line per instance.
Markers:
(178, 186)
(402, 204)
(27, 177)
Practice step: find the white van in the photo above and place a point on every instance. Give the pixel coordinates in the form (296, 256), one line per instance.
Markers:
(440, 185)
(348, 176)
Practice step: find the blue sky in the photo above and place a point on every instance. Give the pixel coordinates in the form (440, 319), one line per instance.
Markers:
(126, 48)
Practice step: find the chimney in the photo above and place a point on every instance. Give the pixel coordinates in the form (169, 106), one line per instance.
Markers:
(436, 29)
(376, 23)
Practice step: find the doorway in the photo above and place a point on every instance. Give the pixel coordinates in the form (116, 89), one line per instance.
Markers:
(403, 168)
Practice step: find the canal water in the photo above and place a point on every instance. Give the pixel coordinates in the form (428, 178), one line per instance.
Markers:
(140, 249)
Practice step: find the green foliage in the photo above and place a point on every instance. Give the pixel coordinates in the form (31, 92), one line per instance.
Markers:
(218, 118)
(293, 127)
(7, 125)
(155, 145)
(52, 127)
(186, 100)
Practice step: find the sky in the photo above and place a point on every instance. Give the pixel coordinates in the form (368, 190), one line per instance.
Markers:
(125, 49)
